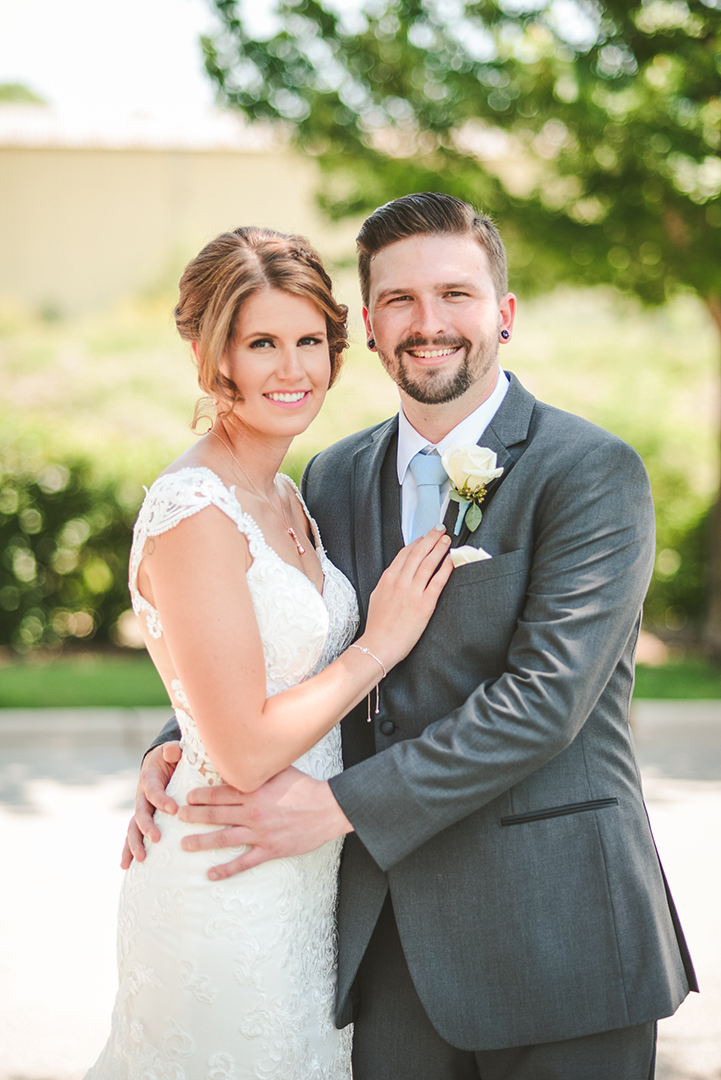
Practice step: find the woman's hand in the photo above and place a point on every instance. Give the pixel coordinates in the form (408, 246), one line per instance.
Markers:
(406, 596)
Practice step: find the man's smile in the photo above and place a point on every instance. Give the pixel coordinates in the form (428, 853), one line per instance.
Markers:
(432, 354)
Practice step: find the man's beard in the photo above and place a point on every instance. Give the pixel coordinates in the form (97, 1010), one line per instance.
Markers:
(437, 386)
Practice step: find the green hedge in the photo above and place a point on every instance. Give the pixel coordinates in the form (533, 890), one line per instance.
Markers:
(65, 536)
(678, 594)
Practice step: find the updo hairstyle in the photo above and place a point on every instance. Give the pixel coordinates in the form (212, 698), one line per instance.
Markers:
(228, 271)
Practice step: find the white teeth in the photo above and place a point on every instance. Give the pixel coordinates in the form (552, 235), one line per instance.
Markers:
(296, 396)
(431, 354)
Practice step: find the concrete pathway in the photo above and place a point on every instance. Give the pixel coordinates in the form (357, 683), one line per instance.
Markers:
(679, 746)
(67, 779)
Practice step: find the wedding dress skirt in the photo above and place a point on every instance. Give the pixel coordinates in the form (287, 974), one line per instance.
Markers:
(233, 979)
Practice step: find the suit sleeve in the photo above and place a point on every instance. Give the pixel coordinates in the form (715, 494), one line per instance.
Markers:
(592, 559)
(170, 733)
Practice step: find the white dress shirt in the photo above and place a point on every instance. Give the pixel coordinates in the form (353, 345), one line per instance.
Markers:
(410, 443)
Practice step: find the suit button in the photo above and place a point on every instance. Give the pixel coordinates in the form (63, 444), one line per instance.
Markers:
(387, 727)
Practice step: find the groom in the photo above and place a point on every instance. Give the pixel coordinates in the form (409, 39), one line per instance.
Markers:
(502, 914)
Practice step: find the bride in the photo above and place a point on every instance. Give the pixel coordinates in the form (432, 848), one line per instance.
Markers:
(252, 630)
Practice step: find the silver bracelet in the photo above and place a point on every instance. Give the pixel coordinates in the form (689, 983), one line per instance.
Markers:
(380, 663)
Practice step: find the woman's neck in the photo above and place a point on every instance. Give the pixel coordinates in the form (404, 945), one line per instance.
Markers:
(258, 455)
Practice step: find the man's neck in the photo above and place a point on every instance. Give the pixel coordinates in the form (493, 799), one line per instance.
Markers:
(434, 422)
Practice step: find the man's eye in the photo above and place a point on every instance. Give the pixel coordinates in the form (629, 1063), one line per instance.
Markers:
(396, 299)
(454, 294)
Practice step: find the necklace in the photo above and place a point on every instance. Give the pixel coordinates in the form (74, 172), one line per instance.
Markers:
(279, 514)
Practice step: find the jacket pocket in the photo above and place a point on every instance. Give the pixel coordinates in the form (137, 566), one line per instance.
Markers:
(558, 811)
(498, 566)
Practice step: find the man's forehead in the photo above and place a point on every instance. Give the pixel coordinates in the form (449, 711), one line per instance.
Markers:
(437, 259)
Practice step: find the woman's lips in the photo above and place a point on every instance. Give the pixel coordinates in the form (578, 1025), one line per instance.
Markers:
(288, 399)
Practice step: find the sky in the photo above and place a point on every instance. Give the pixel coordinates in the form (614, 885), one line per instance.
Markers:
(91, 59)
(97, 59)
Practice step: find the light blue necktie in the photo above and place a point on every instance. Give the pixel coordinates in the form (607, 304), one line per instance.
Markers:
(428, 472)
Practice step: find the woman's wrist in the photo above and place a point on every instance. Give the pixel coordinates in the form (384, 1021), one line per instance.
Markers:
(361, 647)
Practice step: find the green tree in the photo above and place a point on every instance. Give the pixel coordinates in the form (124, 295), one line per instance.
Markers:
(608, 111)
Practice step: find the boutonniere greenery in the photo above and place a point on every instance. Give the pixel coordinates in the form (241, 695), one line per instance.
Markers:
(470, 468)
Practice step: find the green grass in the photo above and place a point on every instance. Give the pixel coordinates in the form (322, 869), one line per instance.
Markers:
(110, 681)
(679, 681)
(132, 681)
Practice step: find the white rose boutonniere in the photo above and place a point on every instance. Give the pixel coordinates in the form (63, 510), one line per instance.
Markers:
(470, 468)
(460, 556)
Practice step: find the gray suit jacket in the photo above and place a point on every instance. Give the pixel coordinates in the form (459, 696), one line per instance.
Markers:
(503, 809)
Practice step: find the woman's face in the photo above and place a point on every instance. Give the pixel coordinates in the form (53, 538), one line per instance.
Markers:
(280, 362)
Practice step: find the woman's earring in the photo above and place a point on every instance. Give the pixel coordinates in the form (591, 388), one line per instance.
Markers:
(505, 335)
(371, 343)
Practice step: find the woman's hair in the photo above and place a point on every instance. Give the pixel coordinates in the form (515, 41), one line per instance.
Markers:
(229, 270)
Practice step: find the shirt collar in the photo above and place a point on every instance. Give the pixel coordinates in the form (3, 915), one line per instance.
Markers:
(470, 429)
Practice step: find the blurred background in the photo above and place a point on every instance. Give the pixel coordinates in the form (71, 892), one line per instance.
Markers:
(131, 134)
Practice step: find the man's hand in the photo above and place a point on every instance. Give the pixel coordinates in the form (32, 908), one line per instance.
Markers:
(155, 772)
(290, 814)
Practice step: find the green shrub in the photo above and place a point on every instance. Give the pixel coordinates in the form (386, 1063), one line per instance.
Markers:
(65, 535)
(678, 594)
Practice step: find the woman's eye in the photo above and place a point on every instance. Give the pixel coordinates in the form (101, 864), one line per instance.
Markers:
(309, 341)
(261, 343)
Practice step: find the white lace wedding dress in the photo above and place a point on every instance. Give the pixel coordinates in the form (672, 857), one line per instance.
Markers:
(234, 979)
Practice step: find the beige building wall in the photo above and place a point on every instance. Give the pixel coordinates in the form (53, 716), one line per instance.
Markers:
(82, 227)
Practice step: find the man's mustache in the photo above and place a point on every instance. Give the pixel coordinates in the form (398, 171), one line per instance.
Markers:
(443, 342)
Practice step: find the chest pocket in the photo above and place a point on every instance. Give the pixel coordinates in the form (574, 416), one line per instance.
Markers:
(510, 564)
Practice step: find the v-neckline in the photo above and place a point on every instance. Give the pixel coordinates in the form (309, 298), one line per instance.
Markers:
(317, 543)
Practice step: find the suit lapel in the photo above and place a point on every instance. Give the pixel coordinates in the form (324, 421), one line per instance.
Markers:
(372, 530)
(367, 519)
(506, 435)
(391, 504)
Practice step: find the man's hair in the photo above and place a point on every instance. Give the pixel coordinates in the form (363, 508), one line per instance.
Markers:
(423, 214)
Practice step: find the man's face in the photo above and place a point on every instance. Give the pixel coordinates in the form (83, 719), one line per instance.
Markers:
(435, 316)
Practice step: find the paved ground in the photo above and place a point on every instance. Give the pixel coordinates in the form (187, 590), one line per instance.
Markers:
(66, 783)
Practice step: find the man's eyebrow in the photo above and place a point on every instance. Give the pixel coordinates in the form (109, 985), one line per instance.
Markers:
(442, 287)
(384, 293)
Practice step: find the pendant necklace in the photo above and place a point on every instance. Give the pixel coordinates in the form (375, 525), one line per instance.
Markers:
(279, 514)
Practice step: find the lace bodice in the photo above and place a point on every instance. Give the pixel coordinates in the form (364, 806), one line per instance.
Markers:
(235, 979)
(301, 631)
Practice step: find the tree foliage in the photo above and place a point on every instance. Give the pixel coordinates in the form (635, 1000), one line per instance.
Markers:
(611, 108)
(590, 129)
